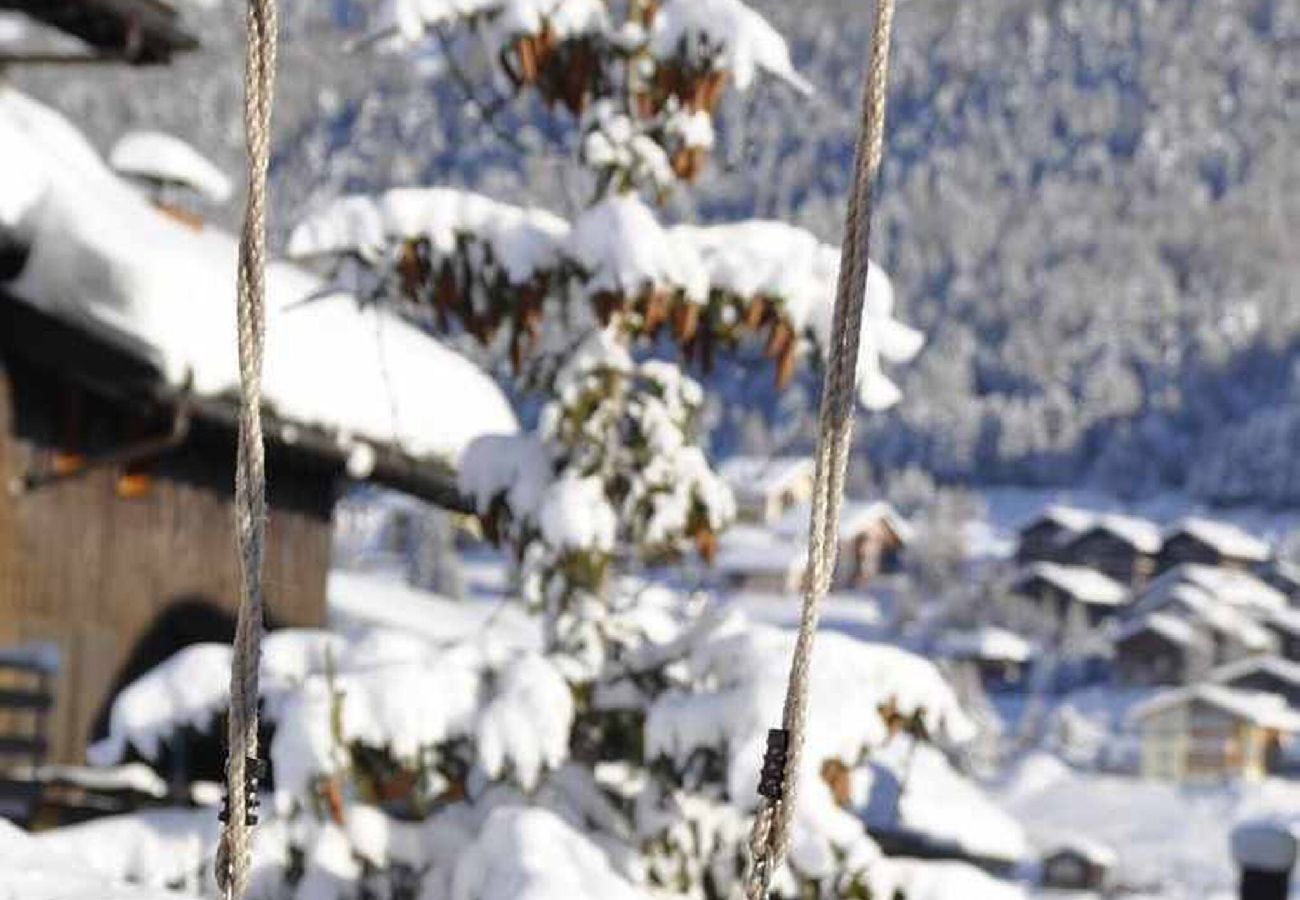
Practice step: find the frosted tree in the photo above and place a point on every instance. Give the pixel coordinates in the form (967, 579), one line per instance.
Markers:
(624, 750)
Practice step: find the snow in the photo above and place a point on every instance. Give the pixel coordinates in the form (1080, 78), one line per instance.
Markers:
(1283, 670)
(532, 854)
(747, 549)
(363, 602)
(526, 726)
(773, 260)
(133, 777)
(986, 643)
(35, 870)
(1226, 538)
(918, 880)
(1094, 852)
(524, 241)
(760, 477)
(747, 42)
(574, 515)
(1068, 518)
(1170, 627)
(1083, 584)
(1230, 586)
(623, 250)
(937, 802)
(748, 663)
(1170, 839)
(1198, 606)
(161, 157)
(104, 259)
(1142, 535)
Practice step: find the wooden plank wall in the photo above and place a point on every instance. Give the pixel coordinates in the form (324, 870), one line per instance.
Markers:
(92, 571)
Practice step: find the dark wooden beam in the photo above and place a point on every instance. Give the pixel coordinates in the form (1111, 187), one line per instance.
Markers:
(139, 32)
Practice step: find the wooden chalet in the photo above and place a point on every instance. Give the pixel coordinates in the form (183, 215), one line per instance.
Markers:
(1121, 547)
(1060, 589)
(1042, 537)
(1212, 543)
(117, 429)
(1161, 649)
(1210, 732)
(872, 538)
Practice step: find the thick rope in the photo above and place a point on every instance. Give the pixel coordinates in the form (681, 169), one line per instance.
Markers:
(770, 836)
(234, 851)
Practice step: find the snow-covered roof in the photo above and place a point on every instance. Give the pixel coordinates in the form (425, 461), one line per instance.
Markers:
(1083, 584)
(1222, 618)
(1224, 537)
(1231, 586)
(748, 43)
(1067, 518)
(855, 518)
(1287, 620)
(1256, 707)
(1170, 627)
(104, 260)
(760, 477)
(987, 643)
(1283, 670)
(1140, 534)
(162, 157)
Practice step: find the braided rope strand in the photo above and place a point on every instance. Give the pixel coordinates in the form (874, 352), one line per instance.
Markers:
(234, 851)
(770, 835)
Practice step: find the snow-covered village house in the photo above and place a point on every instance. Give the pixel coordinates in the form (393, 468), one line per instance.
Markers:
(117, 416)
(1078, 865)
(1121, 547)
(1042, 538)
(1212, 732)
(1161, 649)
(1065, 591)
(766, 488)
(1212, 543)
(1268, 674)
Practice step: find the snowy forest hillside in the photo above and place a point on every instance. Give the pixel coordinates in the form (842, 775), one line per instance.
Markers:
(1089, 206)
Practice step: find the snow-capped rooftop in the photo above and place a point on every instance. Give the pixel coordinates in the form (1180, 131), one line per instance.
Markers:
(748, 549)
(1232, 586)
(987, 643)
(855, 518)
(103, 259)
(1224, 537)
(1256, 707)
(1168, 626)
(1083, 584)
(1283, 670)
(1068, 518)
(1142, 535)
(760, 477)
(158, 156)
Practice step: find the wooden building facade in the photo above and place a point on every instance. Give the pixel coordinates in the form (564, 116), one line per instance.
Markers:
(116, 528)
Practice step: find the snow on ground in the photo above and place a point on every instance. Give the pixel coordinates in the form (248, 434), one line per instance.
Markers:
(1171, 840)
(71, 864)
(106, 260)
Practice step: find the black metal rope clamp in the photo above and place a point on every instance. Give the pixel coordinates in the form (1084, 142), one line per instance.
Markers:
(771, 780)
(254, 773)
